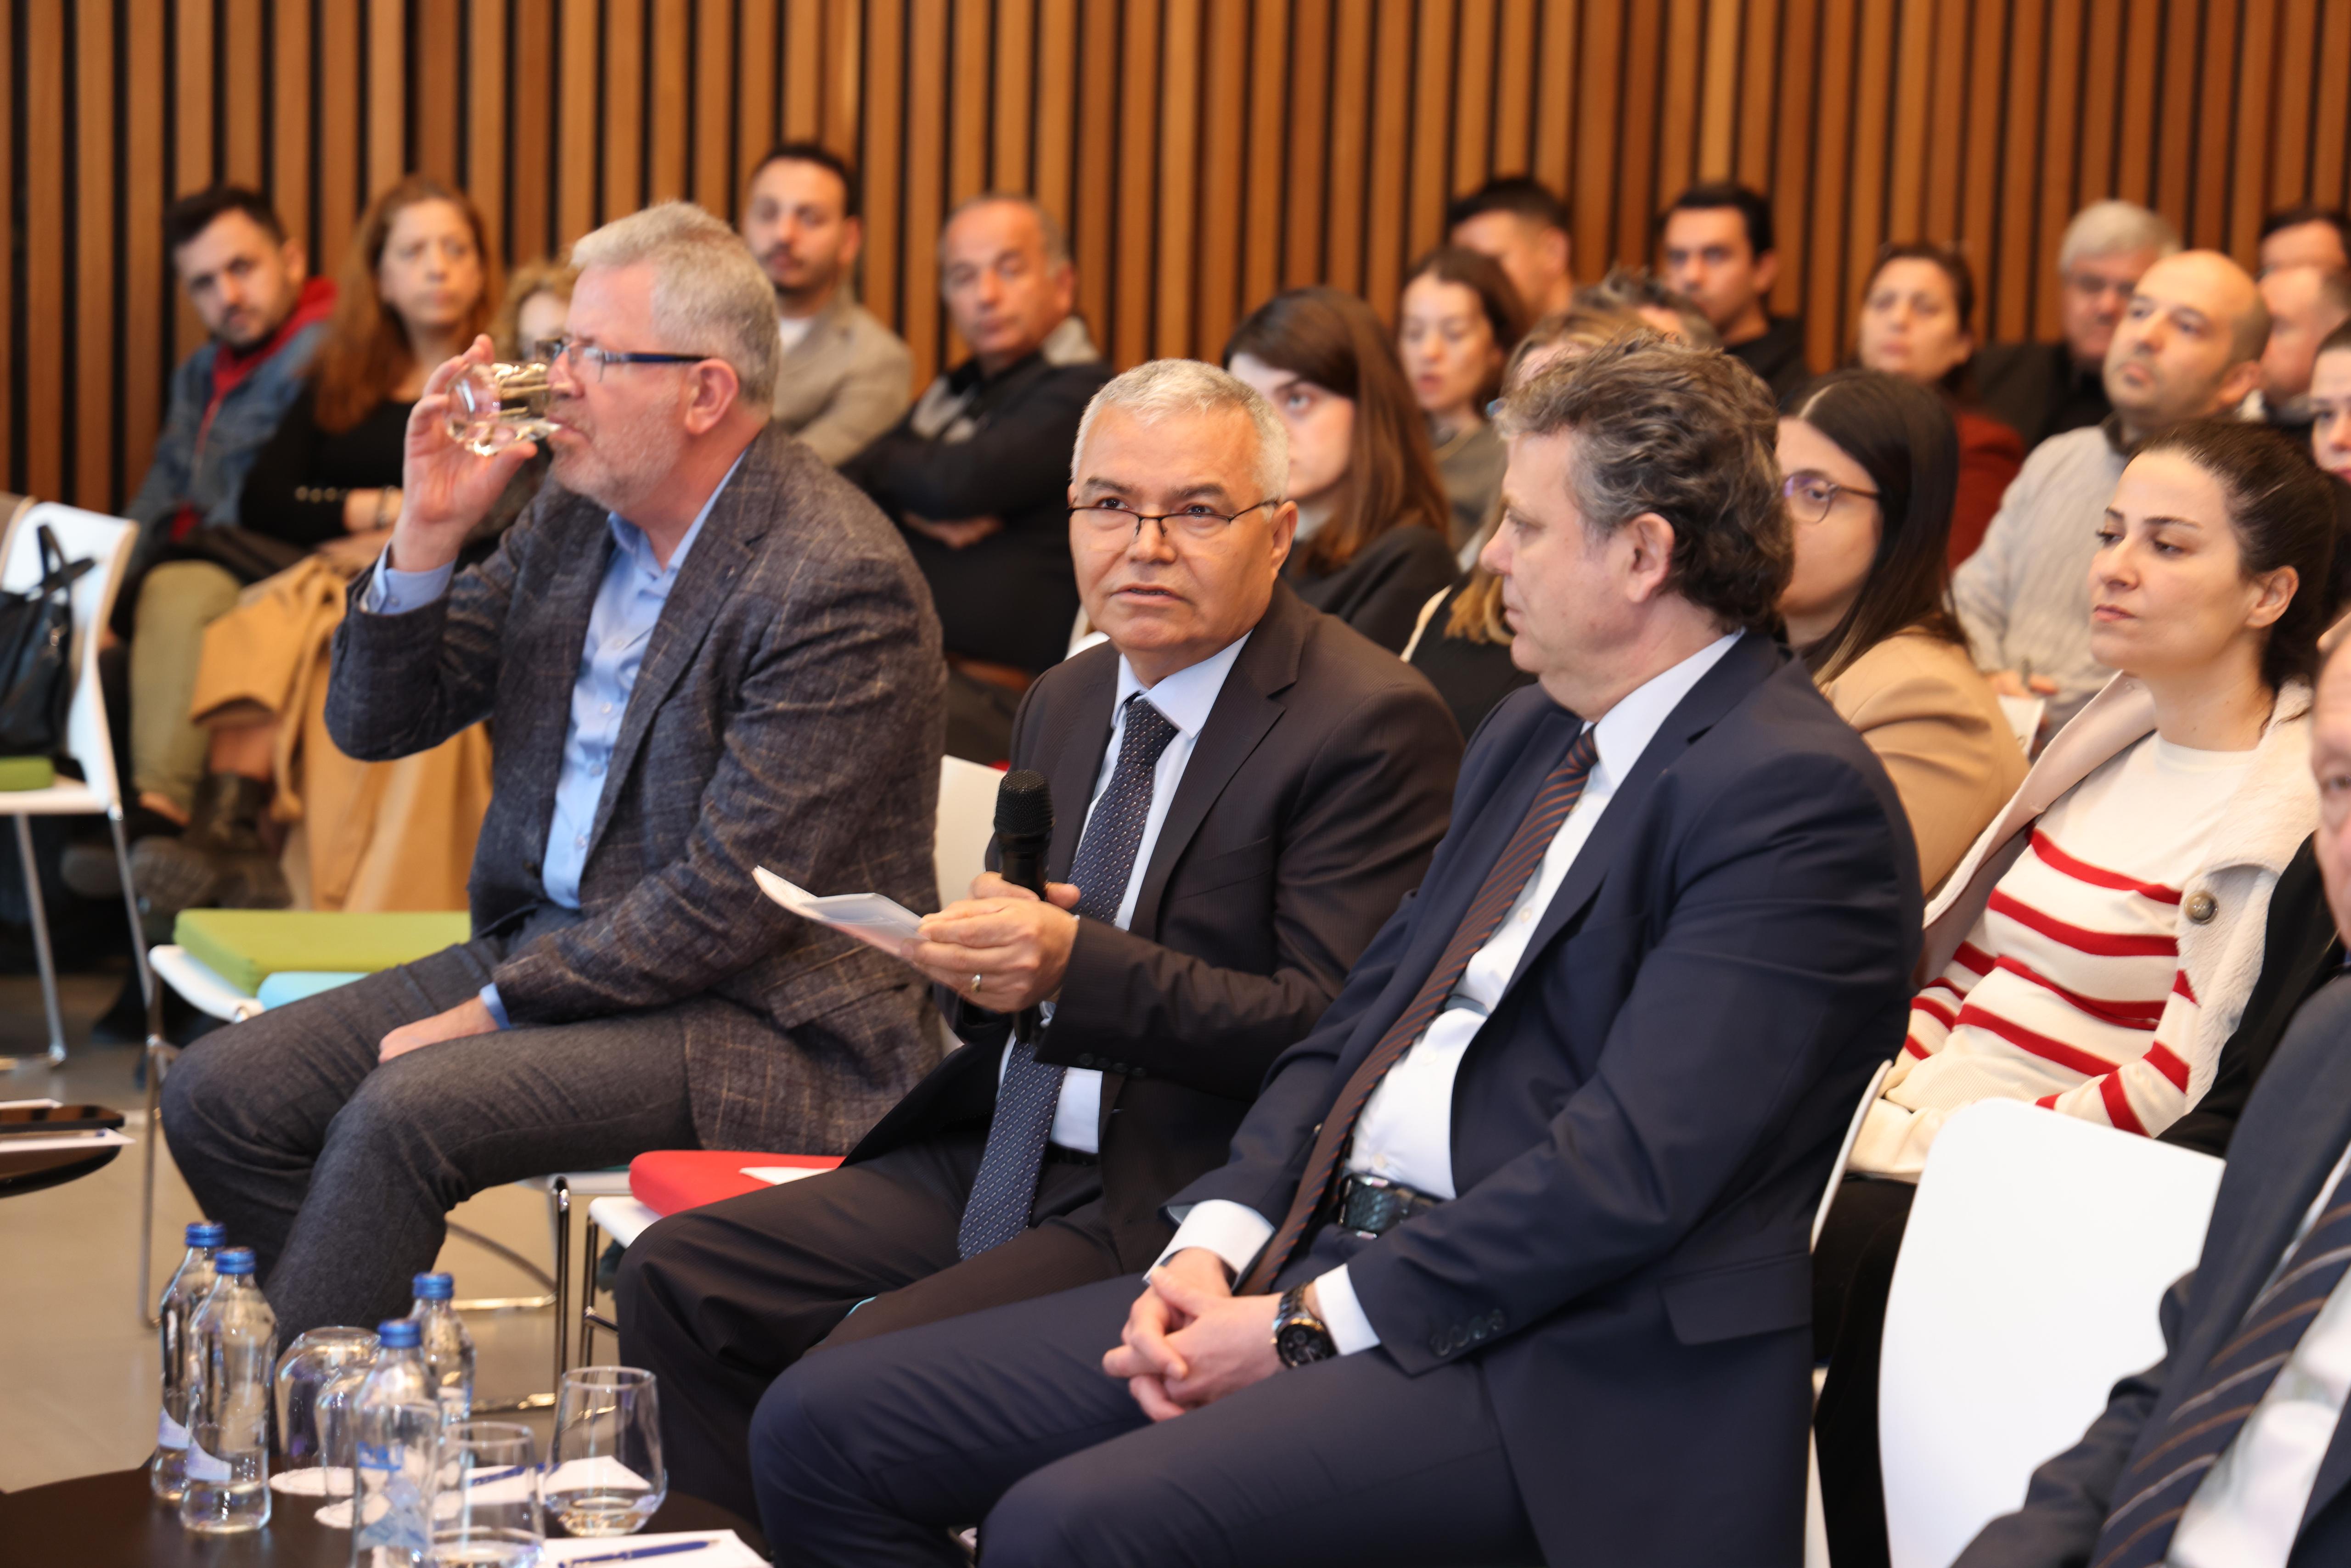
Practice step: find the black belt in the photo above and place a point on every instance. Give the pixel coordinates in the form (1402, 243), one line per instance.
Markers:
(1373, 1206)
(1060, 1156)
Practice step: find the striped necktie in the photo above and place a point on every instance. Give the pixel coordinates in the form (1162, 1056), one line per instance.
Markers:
(1005, 1188)
(1521, 856)
(2154, 1491)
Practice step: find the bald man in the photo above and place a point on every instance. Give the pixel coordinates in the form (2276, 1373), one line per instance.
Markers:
(2189, 345)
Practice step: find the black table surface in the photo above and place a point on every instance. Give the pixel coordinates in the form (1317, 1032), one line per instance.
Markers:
(113, 1521)
(22, 1173)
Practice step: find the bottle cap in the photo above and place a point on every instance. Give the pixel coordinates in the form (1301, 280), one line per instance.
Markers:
(233, 1260)
(435, 1287)
(207, 1233)
(397, 1333)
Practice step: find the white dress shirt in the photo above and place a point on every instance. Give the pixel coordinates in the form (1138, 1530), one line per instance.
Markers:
(1405, 1131)
(2247, 1509)
(1184, 699)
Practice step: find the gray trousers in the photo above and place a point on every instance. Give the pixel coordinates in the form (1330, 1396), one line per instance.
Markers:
(339, 1173)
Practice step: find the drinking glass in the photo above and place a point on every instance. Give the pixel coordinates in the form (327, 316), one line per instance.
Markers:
(605, 1469)
(310, 1364)
(337, 1398)
(491, 407)
(485, 1497)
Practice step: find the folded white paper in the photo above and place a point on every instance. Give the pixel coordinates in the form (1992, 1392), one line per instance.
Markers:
(884, 922)
(725, 1550)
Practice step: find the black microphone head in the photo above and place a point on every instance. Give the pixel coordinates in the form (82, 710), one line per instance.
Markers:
(1024, 806)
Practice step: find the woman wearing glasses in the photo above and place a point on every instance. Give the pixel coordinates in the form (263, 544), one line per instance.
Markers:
(1374, 537)
(1870, 461)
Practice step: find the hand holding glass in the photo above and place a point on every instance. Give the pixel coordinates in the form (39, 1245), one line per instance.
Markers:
(604, 1470)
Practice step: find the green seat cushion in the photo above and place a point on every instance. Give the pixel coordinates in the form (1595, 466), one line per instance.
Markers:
(27, 773)
(244, 947)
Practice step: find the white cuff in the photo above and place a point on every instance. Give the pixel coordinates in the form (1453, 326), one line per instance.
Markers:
(1351, 1330)
(394, 593)
(1233, 1231)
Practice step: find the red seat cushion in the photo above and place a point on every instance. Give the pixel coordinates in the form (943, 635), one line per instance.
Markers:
(671, 1180)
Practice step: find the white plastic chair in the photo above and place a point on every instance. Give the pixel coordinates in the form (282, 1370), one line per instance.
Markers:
(2037, 1251)
(81, 536)
(966, 820)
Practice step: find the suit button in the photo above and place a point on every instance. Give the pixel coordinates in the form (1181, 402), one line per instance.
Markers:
(2201, 907)
(1494, 1319)
(1085, 1060)
(530, 867)
(1441, 1343)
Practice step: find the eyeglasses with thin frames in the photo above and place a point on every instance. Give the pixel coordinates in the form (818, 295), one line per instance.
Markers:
(550, 349)
(1810, 495)
(1196, 523)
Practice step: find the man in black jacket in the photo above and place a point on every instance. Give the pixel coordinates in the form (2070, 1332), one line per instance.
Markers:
(2233, 1448)
(1244, 789)
(974, 472)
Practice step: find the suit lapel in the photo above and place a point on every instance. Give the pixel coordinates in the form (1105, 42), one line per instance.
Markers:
(1075, 746)
(712, 569)
(1745, 665)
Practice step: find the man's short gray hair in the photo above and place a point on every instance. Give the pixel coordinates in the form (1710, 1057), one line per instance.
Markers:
(709, 295)
(1688, 434)
(2111, 227)
(1056, 239)
(1158, 388)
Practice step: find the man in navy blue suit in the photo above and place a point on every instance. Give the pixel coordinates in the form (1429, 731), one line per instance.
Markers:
(1511, 1258)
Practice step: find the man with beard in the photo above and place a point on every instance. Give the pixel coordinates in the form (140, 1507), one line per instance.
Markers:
(844, 377)
(702, 652)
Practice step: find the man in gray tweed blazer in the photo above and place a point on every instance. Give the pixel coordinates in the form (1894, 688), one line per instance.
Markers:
(700, 651)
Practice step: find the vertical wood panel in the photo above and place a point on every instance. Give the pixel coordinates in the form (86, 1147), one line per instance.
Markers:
(531, 77)
(294, 135)
(1268, 101)
(1180, 84)
(2101, 102)
(1602, 43)
(10, 456)
(1554, 92)
(1384, 229)
(93, 240)
(1221, 214)
(43, 239)
(2216, 109)
(1131, 292)
(2061, 128)
(1514, 70)
(2288, 120)
(2006, 259)
(581, 116)
(711, 177)
(1718, 120)
(240, 77)
(1427, 131)
(1824, 295)
(1056, 83)
(665, 165)
(486, 119)
(387, 89)
(1677, 150)
(1016, 111)
(2329, 143)
(433, 122)
(2249, 187)
(339, 176)
(1343, 264)
(146, 285)
(967, 135)
(1946, 145)
(1637, 168)
(1097, 161)
(883, 231)
(1305, 255)
(1473, 86)
(803, 45)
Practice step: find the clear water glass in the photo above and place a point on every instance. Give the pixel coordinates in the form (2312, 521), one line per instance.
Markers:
(337, 1398)
(605, 1475)
(485, 1498)
(491, 407)
(310, 1364)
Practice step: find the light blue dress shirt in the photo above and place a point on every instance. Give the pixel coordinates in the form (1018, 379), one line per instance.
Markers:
(628, 602)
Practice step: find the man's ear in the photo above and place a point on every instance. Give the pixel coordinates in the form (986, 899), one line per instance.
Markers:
(1285, 531)
(2239, 382)
(1648, 540)
(295, 260)
(1767, 273)
(715, 389)
(852, 241)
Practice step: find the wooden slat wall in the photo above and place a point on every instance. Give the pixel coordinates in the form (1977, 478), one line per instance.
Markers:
(1201, 152)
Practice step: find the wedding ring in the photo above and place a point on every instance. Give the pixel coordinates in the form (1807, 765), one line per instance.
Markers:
(975, 984)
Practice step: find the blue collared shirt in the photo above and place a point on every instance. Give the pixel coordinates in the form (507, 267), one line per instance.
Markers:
(628, 602)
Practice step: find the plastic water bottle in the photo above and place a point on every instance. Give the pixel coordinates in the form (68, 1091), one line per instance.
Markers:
(396, 1430)
(190, 1282)
(235, 1340)
(448, 1348)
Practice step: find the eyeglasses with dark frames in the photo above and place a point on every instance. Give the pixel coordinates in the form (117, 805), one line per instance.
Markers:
(1197, 523)
(1810, 495)
(553, 348)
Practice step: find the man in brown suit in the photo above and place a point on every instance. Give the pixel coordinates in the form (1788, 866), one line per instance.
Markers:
(701, 651)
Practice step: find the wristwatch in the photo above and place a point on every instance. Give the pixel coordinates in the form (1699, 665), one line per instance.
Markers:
(1299, 1337)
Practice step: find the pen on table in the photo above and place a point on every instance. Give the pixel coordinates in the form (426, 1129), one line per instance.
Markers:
(480, 1478)
(632, 1554)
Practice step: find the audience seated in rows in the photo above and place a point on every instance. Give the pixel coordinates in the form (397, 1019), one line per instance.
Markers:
(974, 473)
(1868, 463)
(2095, 950)
(1716, 247)
(1456, 326)
(626, 989)
(844, 377)
(2308, 235)
(2041, 389)
(1245, 788)
(1914, 311)
(2188, 346)
(1522, 224)
(1371, 542)
(2305, 304)
(1581, 1245)
(2228, 1452)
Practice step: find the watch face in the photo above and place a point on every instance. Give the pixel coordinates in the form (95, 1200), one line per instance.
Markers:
(1301, 1343)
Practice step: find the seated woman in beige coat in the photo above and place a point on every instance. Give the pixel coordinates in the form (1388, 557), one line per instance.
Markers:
(1871, 465)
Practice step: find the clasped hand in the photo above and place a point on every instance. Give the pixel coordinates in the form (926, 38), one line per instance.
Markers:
(1017, 944)
(1189, 1341)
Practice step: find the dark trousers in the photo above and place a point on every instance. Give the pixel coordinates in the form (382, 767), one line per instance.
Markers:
(869, 1455)
(718, 1301)
(1853, 1272)
(979, 718)
(339, 1173)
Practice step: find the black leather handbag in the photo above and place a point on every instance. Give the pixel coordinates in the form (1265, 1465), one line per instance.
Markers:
(36, 650)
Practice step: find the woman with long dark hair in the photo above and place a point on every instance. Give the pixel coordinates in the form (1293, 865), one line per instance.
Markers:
(1869, 461)
(1373, 541)
(1456, 327)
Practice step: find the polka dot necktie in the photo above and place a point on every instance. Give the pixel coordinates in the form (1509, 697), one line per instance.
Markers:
(2154, 1491)
(1006, 1186)
(1552, 802)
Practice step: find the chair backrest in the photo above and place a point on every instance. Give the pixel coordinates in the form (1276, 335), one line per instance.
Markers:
(2037, 1251)
(967, 822)
(82, 536)
(1845, 1150)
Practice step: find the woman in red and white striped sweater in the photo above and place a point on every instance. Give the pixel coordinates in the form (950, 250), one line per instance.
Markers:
(2096, 948)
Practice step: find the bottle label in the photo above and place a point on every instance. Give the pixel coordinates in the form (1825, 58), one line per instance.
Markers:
(169, 1434)
(203, 1467)
(391, 1509)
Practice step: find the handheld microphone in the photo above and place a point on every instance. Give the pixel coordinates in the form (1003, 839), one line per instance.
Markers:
(1024, 829)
